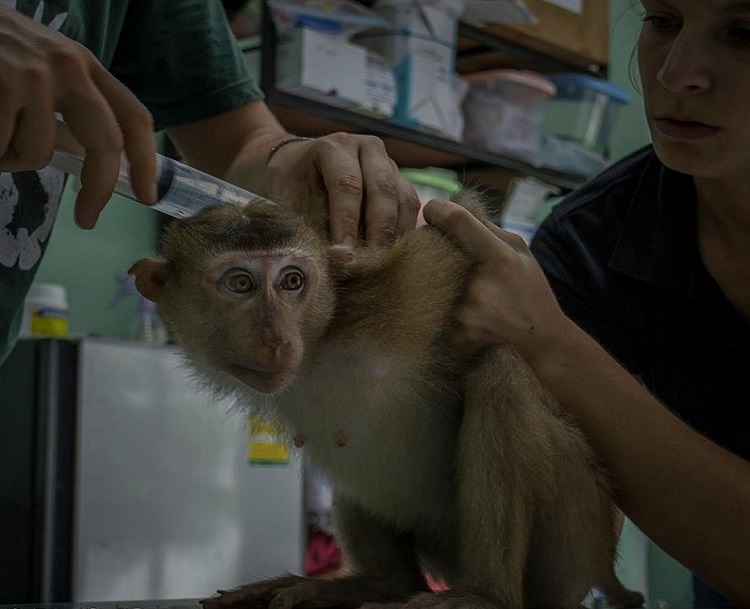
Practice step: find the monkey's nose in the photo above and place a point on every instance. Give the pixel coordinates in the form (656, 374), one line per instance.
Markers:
(276, 353)
(274, 343)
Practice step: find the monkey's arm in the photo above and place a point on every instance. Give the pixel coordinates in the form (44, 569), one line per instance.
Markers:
(383, 567)
(374, 551)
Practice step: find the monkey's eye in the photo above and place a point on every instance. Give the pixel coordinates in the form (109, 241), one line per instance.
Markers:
(238, 281)
(292, 279)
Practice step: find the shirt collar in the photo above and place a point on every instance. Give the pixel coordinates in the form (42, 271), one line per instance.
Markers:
(657, 241)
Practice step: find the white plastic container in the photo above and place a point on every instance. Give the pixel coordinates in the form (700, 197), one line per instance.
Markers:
(304, 59)
(45, 311)
(503, 111)
(522, 204)
(148, 326)
(584, 110)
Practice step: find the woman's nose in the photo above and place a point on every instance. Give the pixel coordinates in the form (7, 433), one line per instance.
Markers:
(686, 67)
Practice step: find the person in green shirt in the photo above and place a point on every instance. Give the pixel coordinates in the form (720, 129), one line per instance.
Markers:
(114, 72)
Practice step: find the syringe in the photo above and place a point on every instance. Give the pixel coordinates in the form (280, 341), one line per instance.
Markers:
(182, 190)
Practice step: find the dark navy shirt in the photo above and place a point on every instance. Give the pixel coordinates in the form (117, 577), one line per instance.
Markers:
(621, 255)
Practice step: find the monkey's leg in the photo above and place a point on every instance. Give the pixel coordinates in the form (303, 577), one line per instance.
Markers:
(495, 497)
(618, 596)
(382, 560)
(441, 600)
(536, 512)
(383, 564)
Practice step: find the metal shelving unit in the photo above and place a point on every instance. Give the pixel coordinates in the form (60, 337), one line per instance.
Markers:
(547, 62)
(347, 119)
(460, 153)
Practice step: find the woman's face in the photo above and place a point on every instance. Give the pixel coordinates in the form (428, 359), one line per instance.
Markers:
(694, 60)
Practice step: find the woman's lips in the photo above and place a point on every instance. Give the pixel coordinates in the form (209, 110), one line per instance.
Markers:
(683, 129)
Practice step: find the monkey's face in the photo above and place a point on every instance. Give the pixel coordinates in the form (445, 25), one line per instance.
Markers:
(250, 315)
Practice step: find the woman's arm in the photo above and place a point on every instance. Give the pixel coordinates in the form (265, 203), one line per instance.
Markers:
(355, 171)
(689, 495)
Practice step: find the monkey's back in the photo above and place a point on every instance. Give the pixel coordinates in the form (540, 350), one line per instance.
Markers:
(402, 299)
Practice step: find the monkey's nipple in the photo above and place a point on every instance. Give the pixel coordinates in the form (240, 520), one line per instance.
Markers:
(340, 438)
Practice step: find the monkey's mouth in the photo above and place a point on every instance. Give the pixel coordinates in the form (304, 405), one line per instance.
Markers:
(261, 379)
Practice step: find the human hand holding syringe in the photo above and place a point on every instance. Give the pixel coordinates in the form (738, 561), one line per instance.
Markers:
(181, 190)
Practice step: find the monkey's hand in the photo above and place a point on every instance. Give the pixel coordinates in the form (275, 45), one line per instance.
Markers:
(441, 600)
(308, 593)
(278, 593)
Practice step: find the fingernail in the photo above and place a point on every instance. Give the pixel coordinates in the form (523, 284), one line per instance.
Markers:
(146, 194)
(86, 221)
(420, 218)
(152, 195)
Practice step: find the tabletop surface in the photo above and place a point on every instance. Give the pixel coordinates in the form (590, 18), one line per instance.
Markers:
(195, 604)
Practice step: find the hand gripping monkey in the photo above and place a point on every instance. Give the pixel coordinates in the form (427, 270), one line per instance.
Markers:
(453, 464)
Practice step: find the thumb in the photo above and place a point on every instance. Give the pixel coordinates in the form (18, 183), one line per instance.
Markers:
(474, 237)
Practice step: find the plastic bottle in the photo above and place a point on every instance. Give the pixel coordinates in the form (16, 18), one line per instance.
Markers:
(522, 204)
(45, 311)
(147, 325)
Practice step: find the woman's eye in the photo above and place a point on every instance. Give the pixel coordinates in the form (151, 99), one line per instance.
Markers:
(239, 282)
(659, 22)
(292, 279)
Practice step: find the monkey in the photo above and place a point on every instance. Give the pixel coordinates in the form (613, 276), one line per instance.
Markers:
(443, 462)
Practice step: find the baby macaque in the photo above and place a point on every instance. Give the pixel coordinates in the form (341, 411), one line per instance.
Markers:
(454, 464)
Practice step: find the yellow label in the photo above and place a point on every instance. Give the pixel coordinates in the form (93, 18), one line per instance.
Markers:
(265, 443)
(45, 324)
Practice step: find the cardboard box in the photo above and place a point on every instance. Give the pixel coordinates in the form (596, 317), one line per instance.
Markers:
(321, 65)
(577, 37)
(380, 87)
(420, 47)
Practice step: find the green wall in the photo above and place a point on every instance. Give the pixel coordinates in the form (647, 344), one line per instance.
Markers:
(630, 131)
(85, 262)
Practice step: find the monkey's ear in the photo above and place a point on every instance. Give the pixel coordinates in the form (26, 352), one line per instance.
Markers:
(150, 277)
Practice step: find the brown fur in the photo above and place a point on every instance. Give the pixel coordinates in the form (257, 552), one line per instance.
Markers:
(462, 465)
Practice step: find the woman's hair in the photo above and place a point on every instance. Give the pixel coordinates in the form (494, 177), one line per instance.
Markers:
(634, 7)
